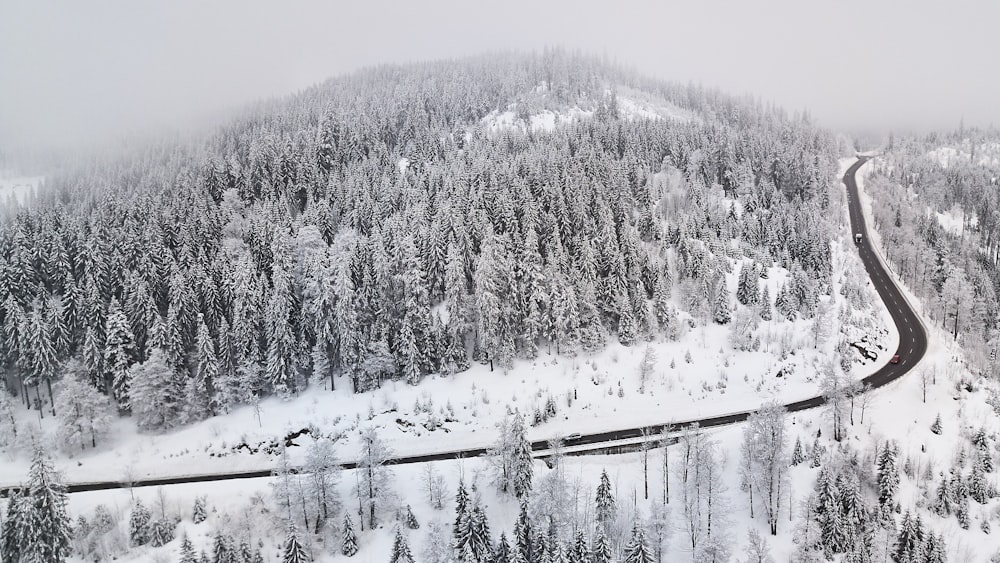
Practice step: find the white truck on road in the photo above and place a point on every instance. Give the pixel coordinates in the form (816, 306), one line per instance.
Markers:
(857, 238)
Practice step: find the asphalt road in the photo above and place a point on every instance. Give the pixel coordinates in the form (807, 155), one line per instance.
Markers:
(912, 346)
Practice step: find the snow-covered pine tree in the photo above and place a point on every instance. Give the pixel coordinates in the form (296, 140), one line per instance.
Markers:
(153, 394)
(627, 328)
(37, 518)
(198, 512)
(16, 534)
(601, 550)
(187, 551)
(138, 524)
(39, 351)
(349, 543)
(521, 462)
(798, 456)
(161, 532)
(605, 502)
(400, 549)
(294, 551)
(637, 549)
(208, 367)
(501, 554)
(936, 427)
(523, 532)
(411, 519)
(578, 552)
(118, 349)
(887, 477)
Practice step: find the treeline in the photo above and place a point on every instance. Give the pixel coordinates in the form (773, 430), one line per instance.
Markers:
(371, 228)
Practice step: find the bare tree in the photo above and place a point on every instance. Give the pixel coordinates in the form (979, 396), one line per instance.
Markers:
(665, 444)
(925, 379)
(375, 477)
(866, 395)
(765, 459)
(647, 443)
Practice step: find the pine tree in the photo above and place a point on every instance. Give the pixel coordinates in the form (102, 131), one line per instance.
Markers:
(579, 553)
(294, 551)
(16, 534)
(798, 456)
(601, 551)
(411, 520)
(349, 545)
(198, 513)
(765, 304)
(521, 464)
(722, 310)
(637, 550)
(153, 394)
(38, 526)
(888, 476)
(400, 549)
(161, 532)
(936, 427)
(138, 524)
(118, 349)
(502, 552)
(523, 532)
(187, 551)
(208, 368)
(605, 501)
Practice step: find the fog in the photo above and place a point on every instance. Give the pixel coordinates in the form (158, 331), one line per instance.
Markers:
(75, 73)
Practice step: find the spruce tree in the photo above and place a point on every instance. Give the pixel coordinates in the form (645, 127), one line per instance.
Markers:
(797, 454)
(187, 551)
(936, 427)
(888, 476)
(118, 349)
(400, 549)
(722, 311)
(502, 553)
(294, 551)
(198, 512)
(523, 532)
(349, 545)
(521, 464)
(411, 520)
(605, 512)
(37, 520)
(601, 550)
(637, 550)
(138, 524)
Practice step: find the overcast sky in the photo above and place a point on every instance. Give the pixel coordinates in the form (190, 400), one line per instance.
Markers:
(81, 72)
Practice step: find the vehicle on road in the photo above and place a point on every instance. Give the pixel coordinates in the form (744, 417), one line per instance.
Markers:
(895, 359)
(857, 238)
(573, 436)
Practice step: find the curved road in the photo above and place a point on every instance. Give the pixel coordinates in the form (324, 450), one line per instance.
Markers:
(912, 346)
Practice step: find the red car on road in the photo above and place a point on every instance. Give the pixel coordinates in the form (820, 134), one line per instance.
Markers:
(895, 359)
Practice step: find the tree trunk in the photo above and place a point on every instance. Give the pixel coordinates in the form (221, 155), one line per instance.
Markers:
(52, 401)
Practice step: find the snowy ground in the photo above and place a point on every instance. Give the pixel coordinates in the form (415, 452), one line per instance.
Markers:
(632, 104)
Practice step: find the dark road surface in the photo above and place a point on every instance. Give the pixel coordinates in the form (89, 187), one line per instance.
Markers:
(912, 345)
